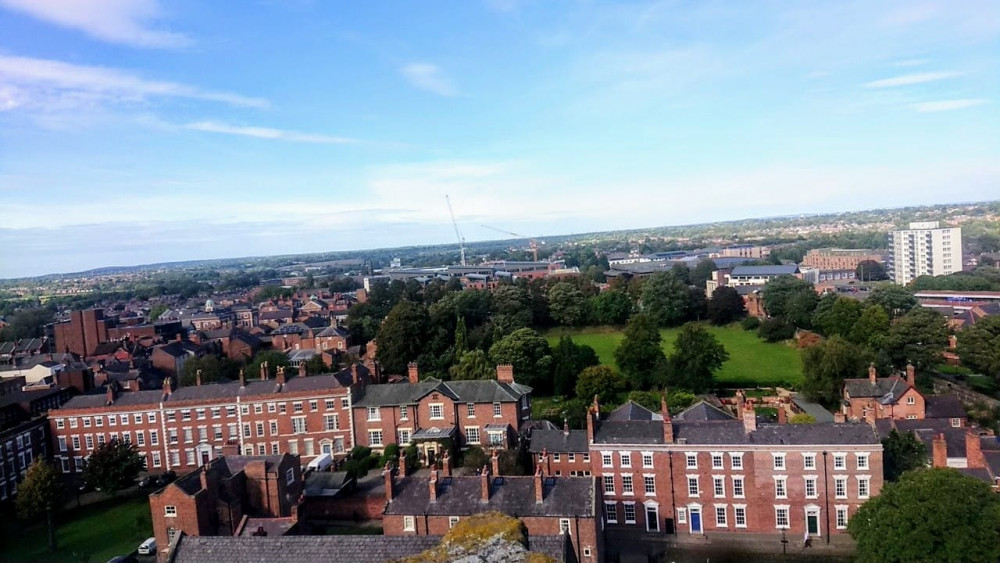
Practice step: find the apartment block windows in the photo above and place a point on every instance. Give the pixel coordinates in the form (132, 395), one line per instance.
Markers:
(720, 517)
(629, 512)
(627, 485)
(692, 485)
(299, 425)
(737, 460)
(781, 517)
(811, 487)
(692, 460)
(779, 461)
(841, 517)
(780, 487)
(625, 459)
(609, 484)
(864, 486)
(611, 512)
(839, 462)
(738, 487)
(717, 461)
(719, 486)
(862, 462)
(331, 422)
(649, 483)
(809, 461)
(840, 487)
(606, 459)
(740, 515)
(647, 460)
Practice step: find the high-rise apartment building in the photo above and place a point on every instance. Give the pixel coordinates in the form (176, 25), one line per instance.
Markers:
(925, 249)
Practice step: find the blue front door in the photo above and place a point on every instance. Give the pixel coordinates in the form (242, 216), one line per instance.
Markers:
(695, 521)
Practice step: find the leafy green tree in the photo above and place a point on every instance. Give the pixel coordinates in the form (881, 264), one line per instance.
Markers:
(156, 311)
(826, 365)
(29, 323)
(702, 272)
(681, 273)
(568, 360)
(665, 299)
(531, 357)
(979, 346)
(902, 452)
(475, 458)
(113, 466)
(937, 515)
(839, 318)
(918, 337)
(511, 308)
(274, 359)
(612, 307)
(315, 365)
(639, 355)
(725, 306)
(697, 356)
(403, 336)
(790, 299)
(896, 300)
(603, 381)
(461, 337)
(567, 304)
(870, 270)
(775, 330)
(871, 327)
(40, 493)
(213, 368)
(474, 364)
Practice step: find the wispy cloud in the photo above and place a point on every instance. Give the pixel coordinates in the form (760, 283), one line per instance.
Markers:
(947, 105)
(47, 84)
(429, 77)
(910, 79)
(268, 133)
(125, 22)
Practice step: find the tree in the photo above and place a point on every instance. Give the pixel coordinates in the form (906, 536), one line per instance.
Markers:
(775, 330)
(681, 273)
(612, 307)
(896, 300)
(475, 458)
(567, 306)
(603, 381)
(568, 360)
(315, 365)
(274, 359)
(212, 368)
(511, 308)
(403, 336)
(979, 346)
(929, 515)
(113, 466)
(156, 311)
(531, 357)
(702, 273)
(839, 318)
(871, 327)
(870, 270)
(639, 354)
(725, 306)
(697, 356)
(41, 492)
(902, 452)
(826, 365)
(665, 299)
(474, 364)
(918, 337)
(790, 299)
(29, 323)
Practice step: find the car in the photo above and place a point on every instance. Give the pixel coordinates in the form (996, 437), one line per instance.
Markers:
(147, 547)
(148, 481)
(165, 478)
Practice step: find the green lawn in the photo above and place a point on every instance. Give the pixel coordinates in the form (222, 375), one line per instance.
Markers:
(751, 362)
(93, 533)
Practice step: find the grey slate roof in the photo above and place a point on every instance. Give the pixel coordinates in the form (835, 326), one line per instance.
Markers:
(925, 430)
(298, 549)
(944, 406)
(815, 410)
(478, 391)
(513, 496)
(633, 411)
(704, 412)
(732, 432)
(557, 441)
(771, 270)
(886, 389)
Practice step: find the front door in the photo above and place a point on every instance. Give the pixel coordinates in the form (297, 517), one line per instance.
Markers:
(812, 523)
(652, 519)
(205, 457)
(695, 514)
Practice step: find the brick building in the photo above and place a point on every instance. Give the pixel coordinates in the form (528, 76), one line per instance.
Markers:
(82, 332)
(24, 433)
(218, 498)
(896, 397)
(561, 452)
(833, 259)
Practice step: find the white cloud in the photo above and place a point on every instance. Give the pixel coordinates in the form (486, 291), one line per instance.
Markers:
(54, 85)
(947, 105)
(911, 79)
(123, 22)
(429, 77)
(267, 133)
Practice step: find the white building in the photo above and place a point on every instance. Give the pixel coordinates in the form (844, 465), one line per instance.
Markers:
(925, 249)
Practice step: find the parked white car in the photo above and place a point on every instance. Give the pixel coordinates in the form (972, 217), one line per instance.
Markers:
(148, 547)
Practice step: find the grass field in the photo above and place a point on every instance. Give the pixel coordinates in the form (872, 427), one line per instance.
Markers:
(93, 533)
(751, 362)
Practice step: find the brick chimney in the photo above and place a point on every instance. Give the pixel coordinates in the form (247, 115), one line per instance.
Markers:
(204, 477)
(505, 373)
(749, 419)
(110, 393)
(565, 427)
(434, 485)
(167, 386)
(939, 451)
(597, 406)
(668, 425)
(302, 370)
(263, 371)
(911, 375)
(389, 482)
(839, 418)
(446, 465)
(952, 342)
(197, 377)
(484, 484)
(782, 415)
(973, 451)
(402, 463)
(590, 425)
(495, 462)
(243, 379)
(281, 375)
(354, 373)
(539, 491)
(872, 374)
(740, 401)
(413, 372)
(545, 462)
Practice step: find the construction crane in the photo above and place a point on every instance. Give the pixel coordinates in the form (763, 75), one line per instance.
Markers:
(532, 242)
(461, 241)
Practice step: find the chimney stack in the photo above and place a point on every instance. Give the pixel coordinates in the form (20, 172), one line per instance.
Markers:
(939, 451)
(402, 462)
(740, 402)
(110, 393)
(167, 386)
(354, 373)
(495, 462)
(597, 406)
(911, 375)
(434, 485)
(197, 377)
(505, 373)
(539, 491)
(782, 415)
(484, 484)
(749, 419)
(302, 369)
(565, 427)
(389, 482)
(872, 374)
(973, 451)
(446, 465)
(668, 425)
(263, 371)
(243, 379)
(281, 375)
(590, 425)
(413, 372)
(204, 477)
(839, 418)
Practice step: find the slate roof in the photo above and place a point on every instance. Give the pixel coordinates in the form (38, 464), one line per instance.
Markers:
(925, 430)
(704, 412)
(944, 406)
(632, 411)
(886, 389)
(558, 441)
(514, 496)
(815, 410)
(770, 270)
(297, 549)
(405, 393)
(333, 331)
(733, 432)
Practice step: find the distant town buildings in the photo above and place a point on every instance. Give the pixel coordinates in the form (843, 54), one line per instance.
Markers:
(925, 249)
(839, 259)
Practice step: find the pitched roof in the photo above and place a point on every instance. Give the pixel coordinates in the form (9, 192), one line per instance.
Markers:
(557, 441)
(944, 406)
(704, 412)
(733, 432)
(515, 496)
(632, 411)
(474, 391)
(266, 549)
(886, 389)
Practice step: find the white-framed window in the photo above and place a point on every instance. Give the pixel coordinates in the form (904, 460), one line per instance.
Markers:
(781, 517)
(809, 461)
(811, 490)
(736, 459)
(606, 459)
(647, 460)
(436, 411)
(60, 423)
(87, 422)
(157, 462)
(258, 408)
(216, 433)
(840, 487)
(780, 487)
(189, 433)
(839, 461)
(404, 412)
(137, 418)
(911, 401)
(374, 414)
(740, 515)
(738, 491)
(297, 406)
(586, 552)
(625, 459)
(862, 461)
(313, 405)
(409, 524)
(611, 512)
(329, 404)
(779, 461)
(649, 483)
(75, 423)
(260, 429)
(298, 425)
(217, 412)
(403, 436)
(693, 490)
(99, 421)
(691, 459)
(231, 411)
(374, 437)
(472, 434)
(682, 515)
(564, 528)
(140, 438)
(719, 486)
(273, 427)
(345, 403)
(586, 457)
(629, 512)
(331, 422)
(609, 484)
(627, 487)
(89, 440)
(864, 486)
(170, 511)
(717, 460)
(261, 449)
(452, 520)
(62, 443)
(555, 457)
(571, 458)
(496, 438)
(956, 422)
(76, 442)
(720, 516)
(841, 512)
(186, 414)
(497, 412)
(470, 410)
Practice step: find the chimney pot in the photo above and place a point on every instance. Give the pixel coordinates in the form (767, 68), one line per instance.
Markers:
(413, 372)
(281, 375)
(495, 462)
(872, 374)
(911, 375)
(446, 464)
(505, 373)
(197, 377)
(668, 424)
(565, 427)
(243, 380)
(973, 451)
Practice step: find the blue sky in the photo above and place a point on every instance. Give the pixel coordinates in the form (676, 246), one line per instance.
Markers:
(137, 131)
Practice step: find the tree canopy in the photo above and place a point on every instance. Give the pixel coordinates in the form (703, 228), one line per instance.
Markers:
(40, 493)
(902, 452)
(402, 338)
(918, 337)
(612, 307)
(665, 299)
(567, 305)
(790, 299)
(639, 355)
(726, 306)
(603, 381)
(113, 465)
(979, 346)
(896, 300)
(568, 360)
(826, 365)
(274, 359)
(697, 356)
(531, 357)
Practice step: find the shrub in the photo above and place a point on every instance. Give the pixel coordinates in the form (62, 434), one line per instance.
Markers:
(776, 330)
(389, 456)
(475, 458)
(412, 458)
(750, 323)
